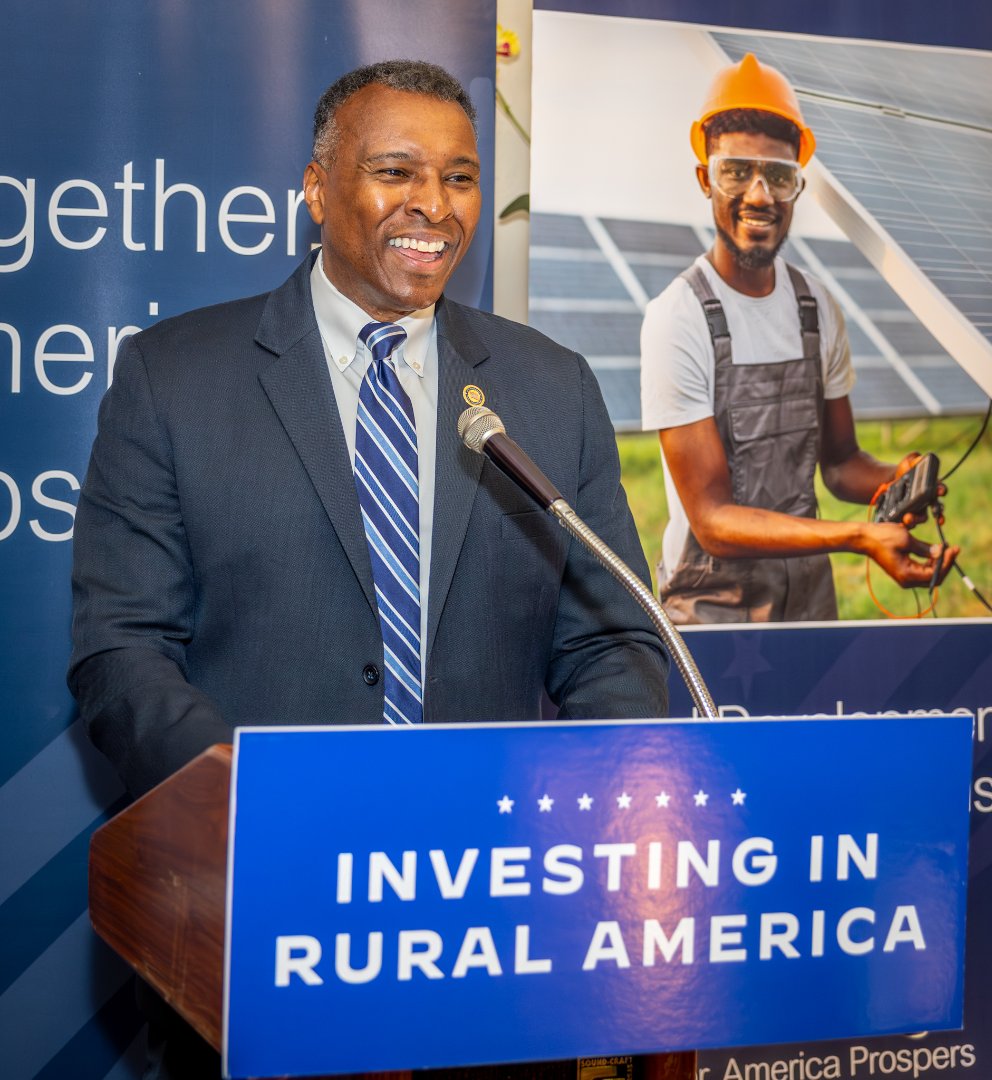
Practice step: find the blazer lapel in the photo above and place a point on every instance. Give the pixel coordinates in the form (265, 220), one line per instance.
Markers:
(298, 386)
(457, 469)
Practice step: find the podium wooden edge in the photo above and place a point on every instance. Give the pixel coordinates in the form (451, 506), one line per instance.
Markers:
(157, 892)
(157, 886)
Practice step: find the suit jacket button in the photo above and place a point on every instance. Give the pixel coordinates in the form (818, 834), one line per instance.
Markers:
(370, 673)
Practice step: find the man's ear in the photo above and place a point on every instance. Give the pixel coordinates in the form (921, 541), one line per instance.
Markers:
(703, 178)
(314, 179)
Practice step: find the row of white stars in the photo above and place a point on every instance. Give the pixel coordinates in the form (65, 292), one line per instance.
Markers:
(624, 801)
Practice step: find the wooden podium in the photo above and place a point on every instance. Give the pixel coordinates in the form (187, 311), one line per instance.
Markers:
(157, 881)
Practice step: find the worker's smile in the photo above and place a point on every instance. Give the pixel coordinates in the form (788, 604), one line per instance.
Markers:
(756, 219)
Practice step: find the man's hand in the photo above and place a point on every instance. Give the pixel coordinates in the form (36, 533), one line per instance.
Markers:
(906, 559)
(912, 520)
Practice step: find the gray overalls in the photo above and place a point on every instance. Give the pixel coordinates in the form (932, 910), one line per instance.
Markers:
(769, 418)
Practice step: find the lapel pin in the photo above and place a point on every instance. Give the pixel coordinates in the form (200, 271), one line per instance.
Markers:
(473, 395)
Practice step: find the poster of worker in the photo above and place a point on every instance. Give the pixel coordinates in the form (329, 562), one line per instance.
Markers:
(776, 252)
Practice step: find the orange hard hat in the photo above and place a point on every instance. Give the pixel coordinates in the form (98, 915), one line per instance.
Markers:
(752, 85)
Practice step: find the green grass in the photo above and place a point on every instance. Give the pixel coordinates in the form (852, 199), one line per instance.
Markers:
(968, 513)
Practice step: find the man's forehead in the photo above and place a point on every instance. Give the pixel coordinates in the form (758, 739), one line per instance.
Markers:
(752, 144)
(378, 103)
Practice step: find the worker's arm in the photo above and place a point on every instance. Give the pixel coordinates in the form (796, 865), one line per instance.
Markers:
(698, 466)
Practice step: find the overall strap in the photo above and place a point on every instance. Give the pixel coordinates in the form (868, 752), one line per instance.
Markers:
(809, 319)
(716, 319)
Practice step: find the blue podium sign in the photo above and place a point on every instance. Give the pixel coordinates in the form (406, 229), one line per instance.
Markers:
(457, 895)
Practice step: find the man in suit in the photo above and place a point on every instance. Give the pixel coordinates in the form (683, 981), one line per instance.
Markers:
(224, 572)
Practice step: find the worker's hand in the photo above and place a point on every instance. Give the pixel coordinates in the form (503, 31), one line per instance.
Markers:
(912, 520)
(906, 559)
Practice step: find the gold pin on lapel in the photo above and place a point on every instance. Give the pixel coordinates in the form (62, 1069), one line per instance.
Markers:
(473, 395)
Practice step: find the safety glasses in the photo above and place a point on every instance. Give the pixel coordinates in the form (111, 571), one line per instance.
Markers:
(733, 176)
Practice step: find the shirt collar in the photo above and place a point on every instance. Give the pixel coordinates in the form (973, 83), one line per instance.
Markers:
(340, 320)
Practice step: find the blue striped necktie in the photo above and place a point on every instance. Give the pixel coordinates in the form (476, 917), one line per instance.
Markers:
(386, 477)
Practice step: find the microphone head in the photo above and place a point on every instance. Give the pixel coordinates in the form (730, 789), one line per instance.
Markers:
(476, 424)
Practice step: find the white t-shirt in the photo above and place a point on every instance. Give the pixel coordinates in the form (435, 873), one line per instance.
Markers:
(677, 359)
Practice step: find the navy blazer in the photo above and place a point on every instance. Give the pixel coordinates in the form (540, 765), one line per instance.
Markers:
(221, 575)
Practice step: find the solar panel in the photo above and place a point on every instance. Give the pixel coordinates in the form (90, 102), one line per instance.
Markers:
(947, 85)
(578, 298)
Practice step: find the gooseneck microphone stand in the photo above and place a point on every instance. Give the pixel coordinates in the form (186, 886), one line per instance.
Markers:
(482, 431)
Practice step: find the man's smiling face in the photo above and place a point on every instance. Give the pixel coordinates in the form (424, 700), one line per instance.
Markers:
(753, 226)
(399, 203)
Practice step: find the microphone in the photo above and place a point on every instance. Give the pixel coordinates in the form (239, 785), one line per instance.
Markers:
(482, 431)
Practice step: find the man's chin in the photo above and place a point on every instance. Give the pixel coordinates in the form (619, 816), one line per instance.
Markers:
(754, 257)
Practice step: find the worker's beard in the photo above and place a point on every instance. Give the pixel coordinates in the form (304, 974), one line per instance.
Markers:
(754, 258)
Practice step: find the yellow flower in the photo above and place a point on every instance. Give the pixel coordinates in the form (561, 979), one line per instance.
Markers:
(507, 43)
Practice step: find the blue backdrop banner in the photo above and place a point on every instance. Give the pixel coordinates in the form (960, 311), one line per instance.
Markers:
(562, 890)
(152, 157)
(930, 666)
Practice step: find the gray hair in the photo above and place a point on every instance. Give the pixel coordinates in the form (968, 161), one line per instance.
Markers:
(415, 76)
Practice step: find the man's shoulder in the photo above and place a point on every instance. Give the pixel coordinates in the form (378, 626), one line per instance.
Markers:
(204, 325)
(202, 352)
(831, 315)
(817, 288)
(279, 315)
